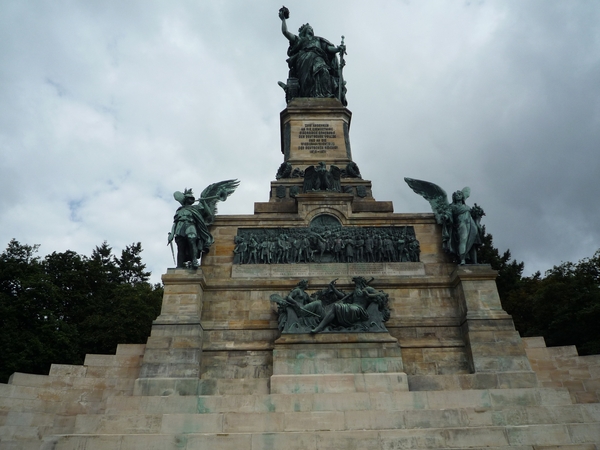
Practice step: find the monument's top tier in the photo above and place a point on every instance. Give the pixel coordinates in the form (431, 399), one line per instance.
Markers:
(315, 130)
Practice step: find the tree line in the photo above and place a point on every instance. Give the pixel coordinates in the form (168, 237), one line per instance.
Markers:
(58, 308)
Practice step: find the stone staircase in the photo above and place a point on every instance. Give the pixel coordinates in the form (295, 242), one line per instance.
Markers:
(35, 406)
(563, 367)
(93, 407)
(498, 418)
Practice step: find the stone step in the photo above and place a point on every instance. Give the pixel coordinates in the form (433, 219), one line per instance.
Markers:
(20, 444)
(572, 436)
(67, 370)
(71, 382)
(130, 349)
(332, 383)
(233, 386)
(66, 393)
(236, 422)
(118, 360)
(339, 383)
(66, 402)
(500, 380)
(22, 430)
(384, 401)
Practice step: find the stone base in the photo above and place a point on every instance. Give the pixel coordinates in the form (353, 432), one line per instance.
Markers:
(314, 130)
(324, 270)
(339, 383)
(336, 354)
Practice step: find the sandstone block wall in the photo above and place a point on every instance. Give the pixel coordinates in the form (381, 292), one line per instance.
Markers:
(239, 321)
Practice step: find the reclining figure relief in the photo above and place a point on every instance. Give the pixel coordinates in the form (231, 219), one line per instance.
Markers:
(332, 310)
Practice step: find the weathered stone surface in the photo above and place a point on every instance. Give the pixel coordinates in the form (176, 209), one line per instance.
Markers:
(339, 383)
(309, 120)
(399, 269)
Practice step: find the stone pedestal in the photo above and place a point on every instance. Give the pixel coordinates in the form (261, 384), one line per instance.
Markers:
(314, 130)
(171, 363)
(493, 344)
(337, 362)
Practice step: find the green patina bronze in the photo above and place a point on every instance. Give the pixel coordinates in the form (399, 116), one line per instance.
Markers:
(319, 178)
(332, 310)
(314, 68)
(326, 241)
(461, 228)
(191, 221)
(286, 170)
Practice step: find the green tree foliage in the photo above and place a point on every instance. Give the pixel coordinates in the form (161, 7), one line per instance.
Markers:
(509, 272)
(563, 306)
(59, 308)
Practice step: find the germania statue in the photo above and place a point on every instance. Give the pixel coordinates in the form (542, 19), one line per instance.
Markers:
(314, 67)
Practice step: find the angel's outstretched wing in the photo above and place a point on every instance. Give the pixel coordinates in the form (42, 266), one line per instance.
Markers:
(218, 192)
(435, 195)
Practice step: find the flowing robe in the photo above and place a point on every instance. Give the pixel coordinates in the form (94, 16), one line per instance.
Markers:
(465, 233)
(347, 314)
(313, 66)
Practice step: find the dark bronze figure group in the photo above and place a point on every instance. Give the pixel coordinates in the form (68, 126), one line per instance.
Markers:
(286, 170)
(325, 244)
(314, 173)
(319, 178)
(364, 309)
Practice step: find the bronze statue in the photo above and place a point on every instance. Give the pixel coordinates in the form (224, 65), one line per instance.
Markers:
(314, 68)
(318, 178)
(461, 230)
(351, 171)
(332, 310)
(191, 221)
(352, 308)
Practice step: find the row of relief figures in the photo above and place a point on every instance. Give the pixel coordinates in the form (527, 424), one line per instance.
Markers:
(326, 244)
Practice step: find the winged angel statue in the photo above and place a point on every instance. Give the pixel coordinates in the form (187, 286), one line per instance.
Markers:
(461, 230)
(191, 221)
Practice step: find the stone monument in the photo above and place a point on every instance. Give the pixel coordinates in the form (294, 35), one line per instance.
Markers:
(325, 320)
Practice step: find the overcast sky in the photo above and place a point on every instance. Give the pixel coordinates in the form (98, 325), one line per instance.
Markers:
(108, 107)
